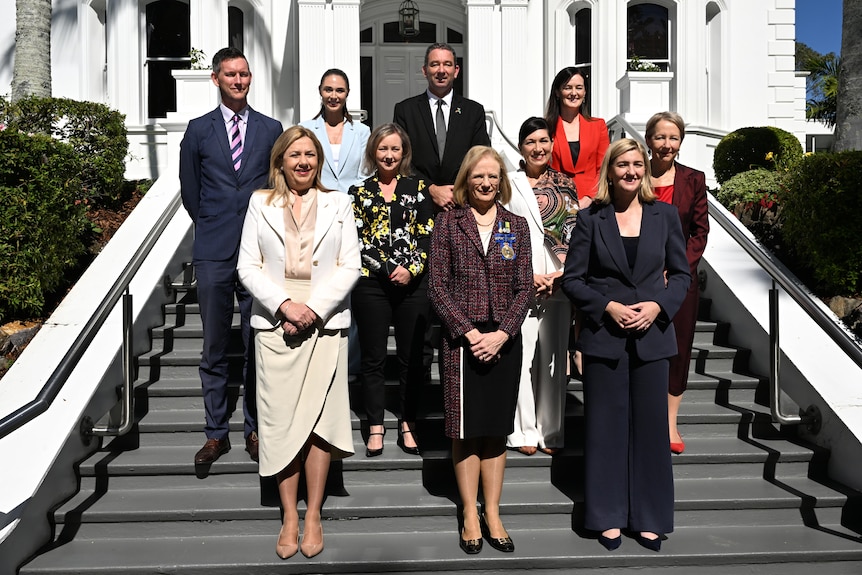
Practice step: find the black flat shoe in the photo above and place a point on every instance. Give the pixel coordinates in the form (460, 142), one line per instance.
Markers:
(374, 452)
(470, 546)
(610, 543)
(651, 544)
(400, 442)
(503, 544)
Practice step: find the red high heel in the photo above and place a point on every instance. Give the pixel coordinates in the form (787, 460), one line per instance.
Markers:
(677, 447)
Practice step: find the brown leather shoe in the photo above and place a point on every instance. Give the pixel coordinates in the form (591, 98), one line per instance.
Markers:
(212, 450)
(252, 444)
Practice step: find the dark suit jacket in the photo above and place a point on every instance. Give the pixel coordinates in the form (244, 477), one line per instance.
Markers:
(215, 195)
(689, 196)
(594, 143)
(597, 272)
(466, 129)
(466, 285)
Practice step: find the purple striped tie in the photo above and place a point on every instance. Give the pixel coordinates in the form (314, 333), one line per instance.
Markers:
(235, 144)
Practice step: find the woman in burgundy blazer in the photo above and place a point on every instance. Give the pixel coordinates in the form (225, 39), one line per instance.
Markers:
(481, 286)
(685, 188)
(580, 141)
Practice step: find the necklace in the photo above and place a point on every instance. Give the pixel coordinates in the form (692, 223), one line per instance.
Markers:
(489, 222)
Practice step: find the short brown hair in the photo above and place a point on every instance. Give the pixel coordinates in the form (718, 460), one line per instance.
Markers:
(369, 163)
(671, 117)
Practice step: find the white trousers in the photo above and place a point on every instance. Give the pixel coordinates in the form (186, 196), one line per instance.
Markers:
(541, 409)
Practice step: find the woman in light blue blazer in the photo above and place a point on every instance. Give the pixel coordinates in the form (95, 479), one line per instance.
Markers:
(343, 140)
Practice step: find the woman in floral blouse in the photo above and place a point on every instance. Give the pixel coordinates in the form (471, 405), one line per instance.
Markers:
(394, 217)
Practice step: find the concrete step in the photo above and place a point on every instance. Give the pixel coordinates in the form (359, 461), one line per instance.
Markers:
(404, 544)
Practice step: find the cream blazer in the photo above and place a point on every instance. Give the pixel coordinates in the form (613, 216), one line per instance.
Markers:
(524, 204)
(335, 262)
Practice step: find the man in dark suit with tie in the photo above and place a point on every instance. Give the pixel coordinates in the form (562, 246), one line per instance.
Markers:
(224, 157)
(441, 124)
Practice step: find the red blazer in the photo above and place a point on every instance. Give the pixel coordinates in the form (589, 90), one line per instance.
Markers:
(466, 285)
(689, 196)
(594, 144)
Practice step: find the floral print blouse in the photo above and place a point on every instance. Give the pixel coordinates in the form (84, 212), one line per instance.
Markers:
(394, 233)
(558, 205)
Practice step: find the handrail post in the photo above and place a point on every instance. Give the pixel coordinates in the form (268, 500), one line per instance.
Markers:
(128, 396)
(778, 416)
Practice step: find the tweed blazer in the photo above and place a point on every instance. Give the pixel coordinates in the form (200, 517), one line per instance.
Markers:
(467, 285)
(689, 196)
(216, 196)
(466, 129)
(597, 272)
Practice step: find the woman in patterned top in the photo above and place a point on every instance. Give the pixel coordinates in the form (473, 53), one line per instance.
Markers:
(394, 217)
(549, 202)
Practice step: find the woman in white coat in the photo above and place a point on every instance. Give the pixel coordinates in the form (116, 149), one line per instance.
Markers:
(299, 259)
(549, 202)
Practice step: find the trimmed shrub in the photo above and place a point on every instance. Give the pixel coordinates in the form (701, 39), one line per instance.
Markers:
(95, 131)
(822, 208)
(753, 197)
(41, 219)
(746, 149)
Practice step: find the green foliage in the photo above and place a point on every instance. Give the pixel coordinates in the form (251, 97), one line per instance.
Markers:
(758, 186)
(822, 87)
(823, 218)
(95, 131)
(41, 218)
(749, 148)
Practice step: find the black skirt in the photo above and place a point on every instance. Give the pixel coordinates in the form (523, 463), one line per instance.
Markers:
(490, 390)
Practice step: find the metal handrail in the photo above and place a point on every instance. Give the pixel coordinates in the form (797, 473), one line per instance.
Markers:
(67, 364)
(783, 277)
(628, 130)
(493, 115)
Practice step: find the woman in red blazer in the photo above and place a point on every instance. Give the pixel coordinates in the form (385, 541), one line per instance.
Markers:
(481, 286)
(580, 141)
(685, 188)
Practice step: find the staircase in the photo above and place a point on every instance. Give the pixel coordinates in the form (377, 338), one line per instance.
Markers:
(750, 497)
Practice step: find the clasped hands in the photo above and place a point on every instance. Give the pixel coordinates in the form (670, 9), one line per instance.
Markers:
(635, 317)
(400, 276)
(546, 284)
(486, 346)
(298, 317)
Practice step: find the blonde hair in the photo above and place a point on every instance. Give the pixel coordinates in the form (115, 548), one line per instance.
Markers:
(671, 117)
(462, 180)
(369, 163)
(605, 193)
(277, 182)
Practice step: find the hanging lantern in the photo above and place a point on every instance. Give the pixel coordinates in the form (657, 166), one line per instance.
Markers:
(408, 19)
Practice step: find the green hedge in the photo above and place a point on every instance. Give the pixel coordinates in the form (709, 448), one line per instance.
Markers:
(822, 209)
(41, 219)
(95, 131)
(745, 149)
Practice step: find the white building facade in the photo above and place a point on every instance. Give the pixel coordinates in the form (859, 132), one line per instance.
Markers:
(725, 64)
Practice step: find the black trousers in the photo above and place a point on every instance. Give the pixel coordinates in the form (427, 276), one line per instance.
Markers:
(629, 474)
(376, 304)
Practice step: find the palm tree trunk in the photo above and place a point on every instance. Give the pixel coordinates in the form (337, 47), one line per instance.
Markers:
(848, 129)
(31, 75)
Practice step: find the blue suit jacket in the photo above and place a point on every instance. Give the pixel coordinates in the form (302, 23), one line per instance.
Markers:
(597, 272)
(353, 142)
(215, 195)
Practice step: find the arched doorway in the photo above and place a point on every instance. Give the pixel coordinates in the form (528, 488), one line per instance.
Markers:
(391, 67)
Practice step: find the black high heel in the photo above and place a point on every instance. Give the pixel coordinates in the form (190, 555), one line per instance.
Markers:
(400, 441)
(651, 544)
(610, 543)
(503, 544)
(374, 452)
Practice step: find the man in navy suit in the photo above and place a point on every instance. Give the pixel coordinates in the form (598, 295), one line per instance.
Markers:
(460, 123)
(224, 157)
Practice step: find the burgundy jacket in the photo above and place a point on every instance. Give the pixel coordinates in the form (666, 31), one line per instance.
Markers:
(689, 196)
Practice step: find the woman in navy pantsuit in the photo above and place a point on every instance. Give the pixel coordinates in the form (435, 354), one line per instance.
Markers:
(627, 272)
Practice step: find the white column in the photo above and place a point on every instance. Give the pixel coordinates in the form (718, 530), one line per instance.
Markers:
(345, 34)
(609, 54)
(315, 48)
(481, 60)
(516, 67)
(690, 50)
(208, 26)
(125, 59)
